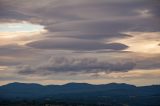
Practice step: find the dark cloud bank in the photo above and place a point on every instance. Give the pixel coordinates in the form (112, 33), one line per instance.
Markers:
(75, 44)
(76, 65)
(88, 65)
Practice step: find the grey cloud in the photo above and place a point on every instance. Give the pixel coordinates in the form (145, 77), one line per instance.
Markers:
(102, 29)
(87, 21)
(95, 29)
(4, 61)
(10, 15)
(87, 35)
(82, 10)
(14, 54)
(100, 26)
(75, 44)
(154, 8)
(76, 65)
(149, 63)
(15, 50)
(54, 11)
(83, 19)
(4, 78)
(92, 64)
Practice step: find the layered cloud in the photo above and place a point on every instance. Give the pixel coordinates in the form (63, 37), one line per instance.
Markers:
(92, 64)
(75, 44)
(76, 65)
(79, 37)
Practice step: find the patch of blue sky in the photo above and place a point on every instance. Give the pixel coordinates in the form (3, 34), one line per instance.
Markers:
(20, 27)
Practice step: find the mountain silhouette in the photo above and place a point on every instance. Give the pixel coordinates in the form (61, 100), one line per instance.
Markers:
(74, 90)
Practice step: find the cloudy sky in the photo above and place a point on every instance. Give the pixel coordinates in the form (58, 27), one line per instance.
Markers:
(92, 41)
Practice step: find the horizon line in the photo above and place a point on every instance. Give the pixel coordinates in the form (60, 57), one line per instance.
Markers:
(78, 83)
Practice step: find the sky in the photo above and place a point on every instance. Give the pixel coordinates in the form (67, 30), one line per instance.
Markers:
(90, 41)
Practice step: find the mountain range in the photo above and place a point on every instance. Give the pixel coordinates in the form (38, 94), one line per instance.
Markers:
(31, 90)
(82, 92)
